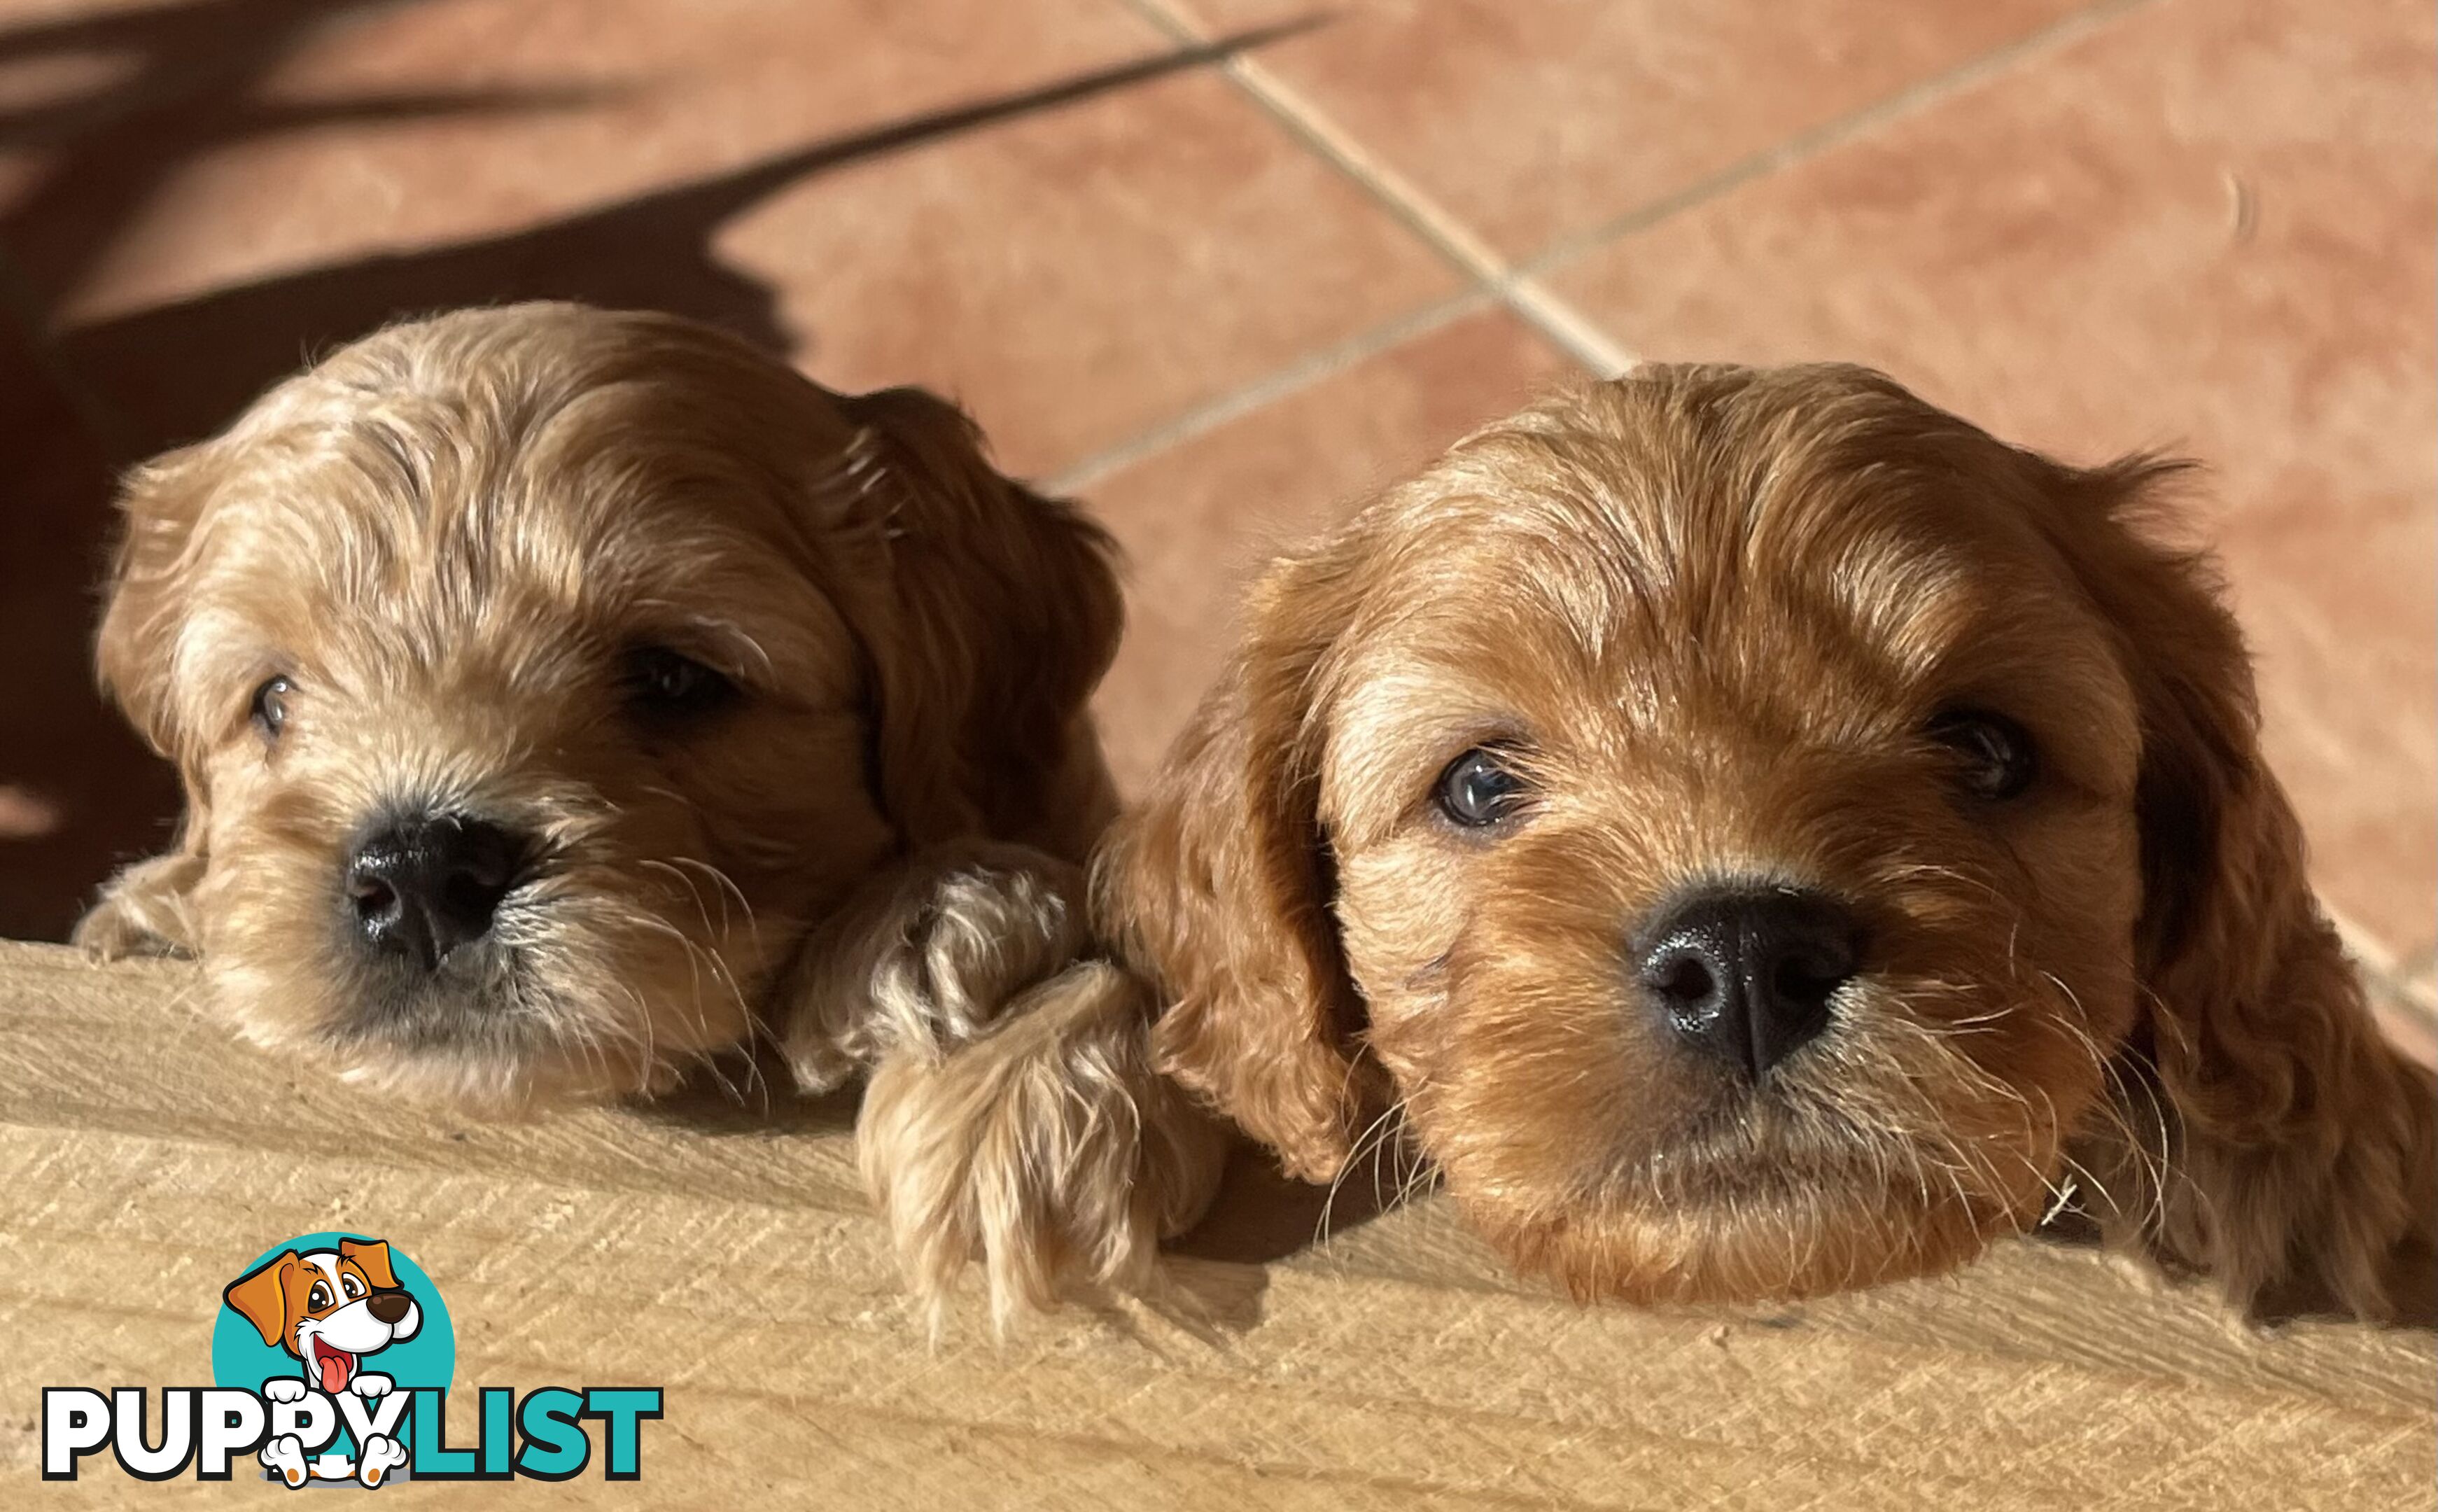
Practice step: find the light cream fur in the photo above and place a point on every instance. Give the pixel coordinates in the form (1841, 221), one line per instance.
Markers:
(1051, 1148)
(451, 537)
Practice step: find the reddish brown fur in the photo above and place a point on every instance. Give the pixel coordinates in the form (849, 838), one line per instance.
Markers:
(1716, 607)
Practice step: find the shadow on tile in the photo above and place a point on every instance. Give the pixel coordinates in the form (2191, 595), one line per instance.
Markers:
(175, 84)
(84, 795)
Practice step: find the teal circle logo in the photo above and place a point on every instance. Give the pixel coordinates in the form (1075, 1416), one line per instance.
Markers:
(329, 1288)
(333, 1357)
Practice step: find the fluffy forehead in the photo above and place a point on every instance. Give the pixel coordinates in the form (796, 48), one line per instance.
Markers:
(1811, 551)
(453, 486)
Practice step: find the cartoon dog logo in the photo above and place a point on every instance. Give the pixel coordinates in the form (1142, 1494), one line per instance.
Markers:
(331, 1308)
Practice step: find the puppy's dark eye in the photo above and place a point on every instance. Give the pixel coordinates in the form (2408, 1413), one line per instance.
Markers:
(1479, 789)
(319, 1297)
(270, 710)
(663, 684)
(1995, 753)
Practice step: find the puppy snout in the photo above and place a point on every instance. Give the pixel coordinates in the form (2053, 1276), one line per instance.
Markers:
(425, 887)
(389, 1307)
(1747, 973)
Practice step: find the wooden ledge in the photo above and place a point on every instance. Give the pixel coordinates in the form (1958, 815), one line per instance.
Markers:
(147, 1157)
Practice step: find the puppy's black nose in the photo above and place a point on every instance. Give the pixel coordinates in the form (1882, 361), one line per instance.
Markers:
(388, 1305)
(424, 887)
(1746, 973)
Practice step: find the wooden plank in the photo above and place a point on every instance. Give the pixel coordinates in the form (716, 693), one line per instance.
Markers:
(728, 1259)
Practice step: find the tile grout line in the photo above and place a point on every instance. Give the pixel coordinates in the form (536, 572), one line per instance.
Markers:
(1531, 301)
(1836, 131)
(2384, 973)
(1276, 384)
(1537, 305)
(2361, 944)
(1516, 286)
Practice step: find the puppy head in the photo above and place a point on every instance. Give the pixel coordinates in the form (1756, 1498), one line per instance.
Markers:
(329, 1307)
(539, 675)
(1729, 816)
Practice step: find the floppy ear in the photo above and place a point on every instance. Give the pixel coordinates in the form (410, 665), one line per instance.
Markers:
(161, 503)
(260, 1296)
(1005, 614)
(372, 1254)
(1220, 885)
(2304, 1179)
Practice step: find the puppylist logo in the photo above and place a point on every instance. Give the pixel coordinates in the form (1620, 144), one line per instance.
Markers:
(332, 1362)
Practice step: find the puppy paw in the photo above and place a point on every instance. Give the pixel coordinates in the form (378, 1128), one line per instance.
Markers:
(1047, 1150)
(930, 956)
(284, 1388)
(380, 1456)
(982, 936)
(371, 1384)
(143, 910)
(285, 1455)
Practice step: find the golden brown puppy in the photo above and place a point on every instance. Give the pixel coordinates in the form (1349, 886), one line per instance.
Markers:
(564, 696)
(1761, 836)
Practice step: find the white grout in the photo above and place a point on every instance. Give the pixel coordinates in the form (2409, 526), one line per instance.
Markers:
(1519, 287)
(1441, 229)
(1838, 131)
(1301, 374)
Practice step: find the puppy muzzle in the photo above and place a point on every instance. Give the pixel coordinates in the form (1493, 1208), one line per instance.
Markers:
(372, 1322)
(1747, 973)
(421, 889)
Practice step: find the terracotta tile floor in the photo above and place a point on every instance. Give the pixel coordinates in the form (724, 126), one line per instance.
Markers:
(1221, 265)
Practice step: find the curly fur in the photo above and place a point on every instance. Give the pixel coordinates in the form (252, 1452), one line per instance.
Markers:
(1051, 1149)
(1712, 611)
(1013, 1113)
(445, 537)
